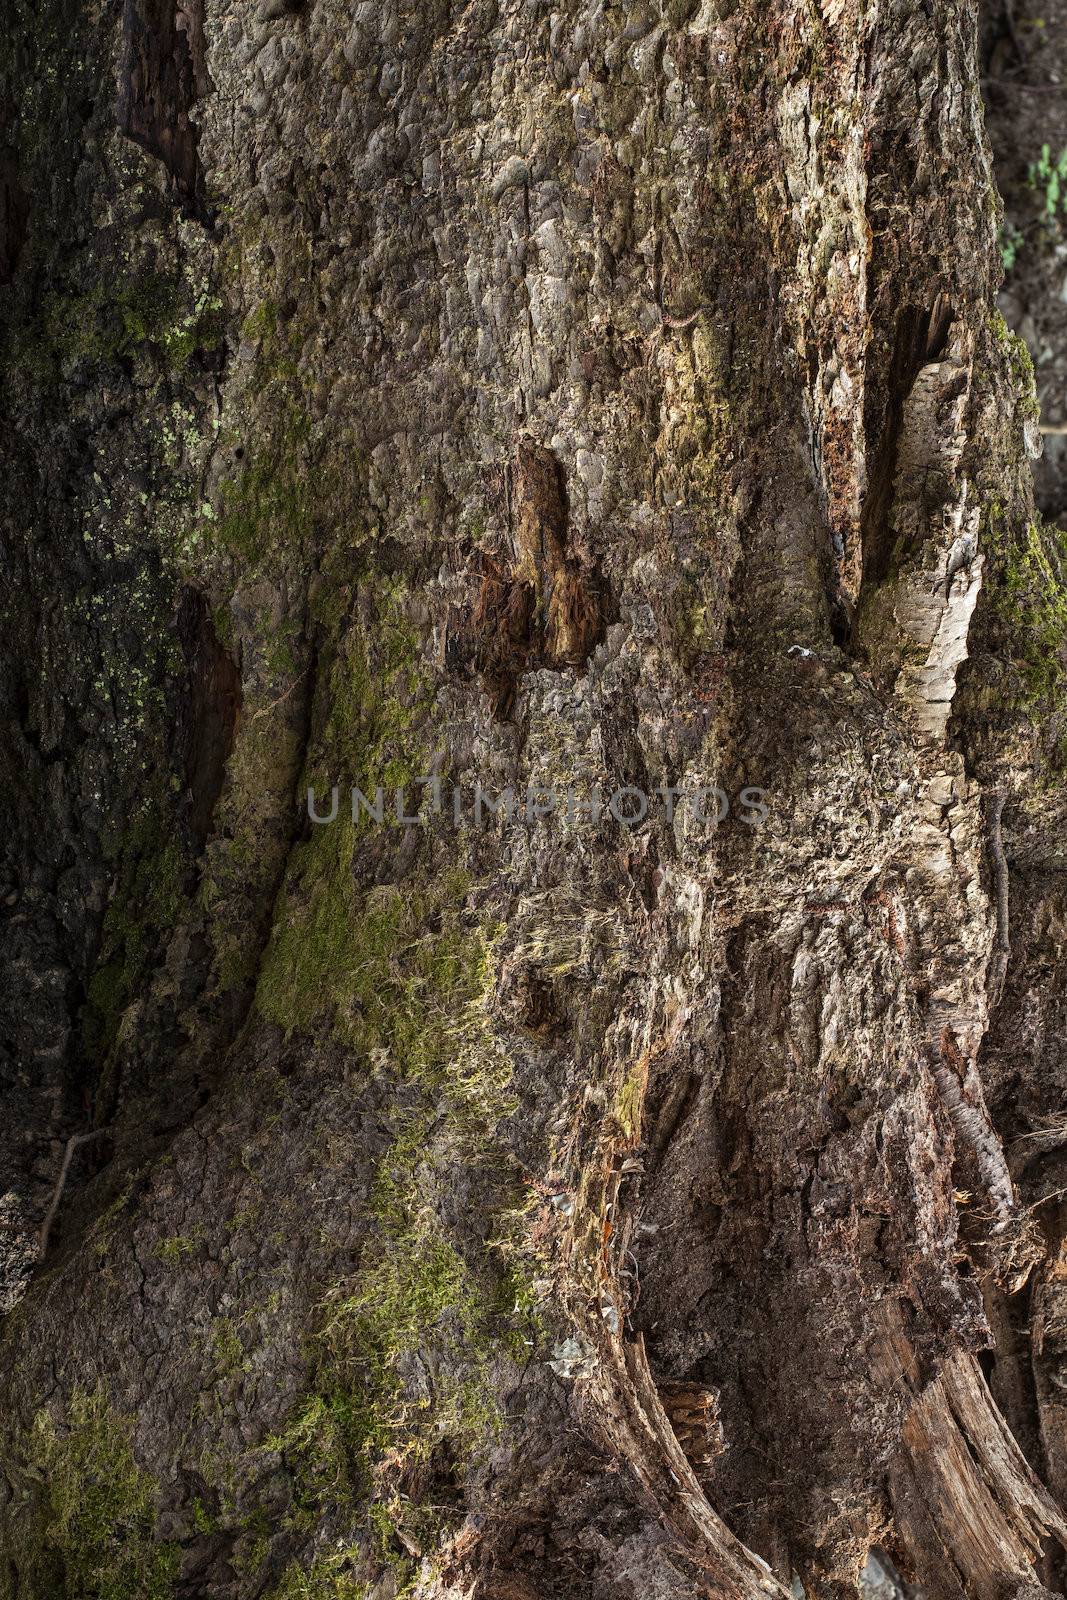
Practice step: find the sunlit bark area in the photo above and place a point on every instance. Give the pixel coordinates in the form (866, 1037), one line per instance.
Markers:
(531, 911)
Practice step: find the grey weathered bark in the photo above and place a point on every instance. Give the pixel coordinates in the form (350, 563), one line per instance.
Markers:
(595, 397)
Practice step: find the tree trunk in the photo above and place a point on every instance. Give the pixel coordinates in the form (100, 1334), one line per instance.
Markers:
(654, 1188)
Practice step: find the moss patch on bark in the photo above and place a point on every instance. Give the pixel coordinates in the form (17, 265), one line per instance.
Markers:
(90, 1528)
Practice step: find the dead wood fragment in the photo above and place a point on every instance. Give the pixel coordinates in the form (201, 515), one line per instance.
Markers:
(961, 1486)
(543, 605)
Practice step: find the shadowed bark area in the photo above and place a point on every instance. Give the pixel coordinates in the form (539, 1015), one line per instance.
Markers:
(421, 1194)
(161, 78)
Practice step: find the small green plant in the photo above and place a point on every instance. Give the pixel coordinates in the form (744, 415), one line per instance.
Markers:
(173, 1249)
(203, 1521)
(1011, 242)
(1048, 178)
(227, 1349)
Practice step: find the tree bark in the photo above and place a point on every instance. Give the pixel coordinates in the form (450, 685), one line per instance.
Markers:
(459, 399)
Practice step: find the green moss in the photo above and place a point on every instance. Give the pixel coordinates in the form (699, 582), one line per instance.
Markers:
(396, 973)
(269, 508)
(389, 970)
(173, 1250)
(102, 1229)
(1020, 364)
(328, 1578)
(403, 976)
(262, 323)
(401, 1360)
(517, 1300)
(400, 1528)
(222, 622)
(203, 1521)
(279, 655)
(93, 1537)
(631, 1100)
(695, 612)
(376, 692)
(227, 1350)
(258, 1527)
(183, 333)
(1025, 584)
(324, 1443)
(111, 321)
(98, 325)
(998, 327)
(277, 347)
(417, 1293)
(400, 1363)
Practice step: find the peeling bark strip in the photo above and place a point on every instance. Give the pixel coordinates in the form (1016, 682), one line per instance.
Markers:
(161, 78)
(628, 1412)
(963, 1493)
(916, 621)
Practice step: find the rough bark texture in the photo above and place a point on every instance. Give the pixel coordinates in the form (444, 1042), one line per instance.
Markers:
(597, 396)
